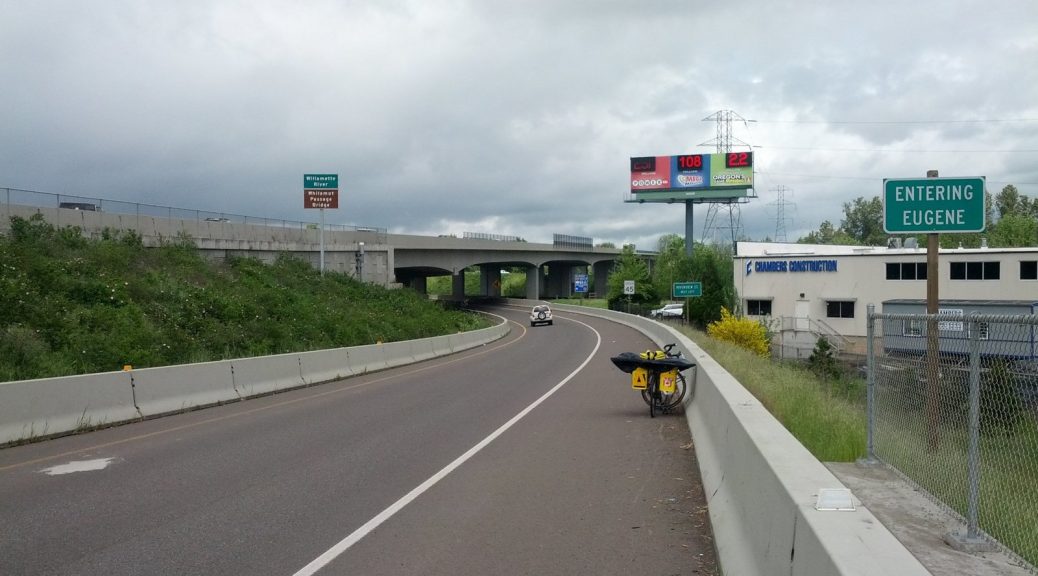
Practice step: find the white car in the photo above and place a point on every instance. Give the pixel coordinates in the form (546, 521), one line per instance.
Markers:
(669, 311)
(541, 314)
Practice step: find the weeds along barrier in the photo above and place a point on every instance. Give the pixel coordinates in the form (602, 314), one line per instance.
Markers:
(957, 415)
(761, 484)
(46, 407)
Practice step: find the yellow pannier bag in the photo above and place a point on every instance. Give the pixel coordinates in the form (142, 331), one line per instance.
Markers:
(639, 378)
(668, 381)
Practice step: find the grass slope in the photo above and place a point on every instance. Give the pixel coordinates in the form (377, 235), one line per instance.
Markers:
(72, 305)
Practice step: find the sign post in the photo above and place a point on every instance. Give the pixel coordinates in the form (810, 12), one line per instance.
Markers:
(629, 291)
(930, 206)
(321, 191)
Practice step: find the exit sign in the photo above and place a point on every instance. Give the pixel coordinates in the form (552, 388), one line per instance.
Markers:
(933, 205)
(687, 289)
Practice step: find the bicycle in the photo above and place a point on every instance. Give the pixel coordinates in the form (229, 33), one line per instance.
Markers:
(657, 374)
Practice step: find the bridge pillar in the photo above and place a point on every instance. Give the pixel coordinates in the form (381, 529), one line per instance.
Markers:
(533, 283)
(489, 280)
(602, 270)
(458, 285)
(560, 280)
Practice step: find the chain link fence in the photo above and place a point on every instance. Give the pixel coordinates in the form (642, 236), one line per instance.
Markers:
(953, 406)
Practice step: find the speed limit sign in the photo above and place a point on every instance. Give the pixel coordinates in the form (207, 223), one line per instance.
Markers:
(628, 286)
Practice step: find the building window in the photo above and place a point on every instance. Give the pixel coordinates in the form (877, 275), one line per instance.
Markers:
(758, 307)
(906, 270)
(1029, 269)
(839, 309)
(913, 327)
(975, 271)
(982, 330)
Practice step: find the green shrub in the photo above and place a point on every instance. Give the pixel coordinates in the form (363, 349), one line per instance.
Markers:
(1000, 406)
(822, 360)
(741, 331)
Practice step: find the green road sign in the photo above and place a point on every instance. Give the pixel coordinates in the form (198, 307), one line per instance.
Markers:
(933, 205)
(318, 181)
(687, 289)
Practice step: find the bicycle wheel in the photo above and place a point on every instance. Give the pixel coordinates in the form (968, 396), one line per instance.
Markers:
(668, 401)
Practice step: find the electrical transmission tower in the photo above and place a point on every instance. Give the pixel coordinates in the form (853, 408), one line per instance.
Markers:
(724, 142)
(780, 204)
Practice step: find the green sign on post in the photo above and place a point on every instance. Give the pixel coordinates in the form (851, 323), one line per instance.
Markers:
(687, 289)
(933, 205)
(319, 181)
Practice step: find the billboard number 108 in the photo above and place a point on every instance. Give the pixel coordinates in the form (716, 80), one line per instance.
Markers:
(691, 162)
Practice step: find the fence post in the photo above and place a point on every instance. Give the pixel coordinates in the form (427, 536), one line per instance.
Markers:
(972, 541)
(870, 389)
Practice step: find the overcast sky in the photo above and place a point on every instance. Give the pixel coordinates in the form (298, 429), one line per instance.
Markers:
(511, 117)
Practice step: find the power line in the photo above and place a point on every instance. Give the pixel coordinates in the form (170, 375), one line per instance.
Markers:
(918, 150)
(872, 179)
(884, 122)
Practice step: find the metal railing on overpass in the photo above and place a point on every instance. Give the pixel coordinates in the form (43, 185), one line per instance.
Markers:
(15, 196)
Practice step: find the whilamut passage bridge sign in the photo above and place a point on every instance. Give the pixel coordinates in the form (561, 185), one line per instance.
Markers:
(933, 205)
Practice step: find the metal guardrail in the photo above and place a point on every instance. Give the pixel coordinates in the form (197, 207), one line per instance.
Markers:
(959, 418)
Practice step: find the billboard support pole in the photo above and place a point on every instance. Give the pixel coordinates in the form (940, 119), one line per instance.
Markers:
(689, 238)
(322, 241)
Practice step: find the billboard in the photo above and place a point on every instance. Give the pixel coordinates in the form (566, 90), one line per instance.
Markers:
(691, 176)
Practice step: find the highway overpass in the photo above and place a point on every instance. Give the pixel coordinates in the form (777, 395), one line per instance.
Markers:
(370, 254)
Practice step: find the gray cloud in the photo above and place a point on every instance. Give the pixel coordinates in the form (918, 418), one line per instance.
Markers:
(446, 116)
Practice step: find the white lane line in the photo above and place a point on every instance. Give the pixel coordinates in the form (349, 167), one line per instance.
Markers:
(345, 544)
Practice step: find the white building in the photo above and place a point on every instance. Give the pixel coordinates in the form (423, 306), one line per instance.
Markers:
(812, 290)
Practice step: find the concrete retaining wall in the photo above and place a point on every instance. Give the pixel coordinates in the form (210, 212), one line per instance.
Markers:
(762, 484)
(54, 406)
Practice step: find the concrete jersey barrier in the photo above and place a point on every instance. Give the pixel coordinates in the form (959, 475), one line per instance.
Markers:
(762, 484)
(32, 409)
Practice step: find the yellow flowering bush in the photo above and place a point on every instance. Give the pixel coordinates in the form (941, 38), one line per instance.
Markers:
(741, 331)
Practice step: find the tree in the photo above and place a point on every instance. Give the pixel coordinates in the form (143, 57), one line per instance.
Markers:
(1014, 230)
(1009, 201)
(863, 221)
(672, 264)
(827, 234)
(712, 265)
(823, 360)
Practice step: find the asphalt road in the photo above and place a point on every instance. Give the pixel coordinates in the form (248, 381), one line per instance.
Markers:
(531, 455)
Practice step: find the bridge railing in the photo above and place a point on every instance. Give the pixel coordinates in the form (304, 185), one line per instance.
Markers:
(17, 197)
